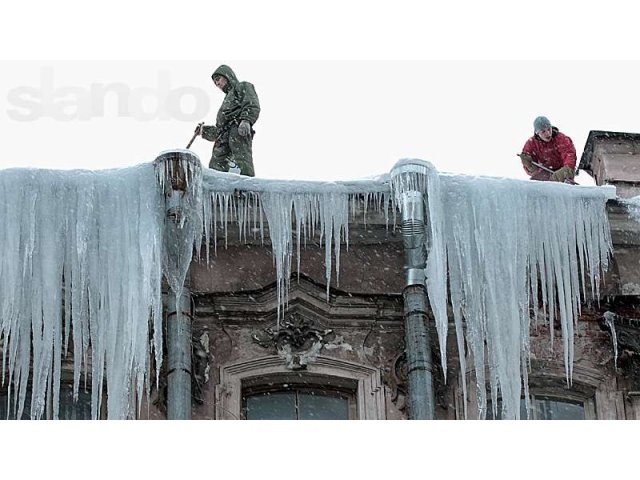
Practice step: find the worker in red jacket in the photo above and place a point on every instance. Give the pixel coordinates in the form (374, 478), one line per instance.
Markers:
(551, 149)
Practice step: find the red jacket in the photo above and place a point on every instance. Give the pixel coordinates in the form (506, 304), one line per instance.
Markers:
(554, 154)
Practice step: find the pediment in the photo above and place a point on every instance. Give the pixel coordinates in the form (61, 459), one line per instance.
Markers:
(307, 299)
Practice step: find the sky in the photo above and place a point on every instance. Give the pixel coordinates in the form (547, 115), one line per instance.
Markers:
(347, 88)
(320, 119)
(331, 109)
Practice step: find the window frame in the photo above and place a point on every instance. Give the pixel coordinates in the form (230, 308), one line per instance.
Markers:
(588, 404)
(547, 377)
(365, 383)
(323, 390)
(65, 388)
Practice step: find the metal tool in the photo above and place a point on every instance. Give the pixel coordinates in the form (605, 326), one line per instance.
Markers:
(195, 134)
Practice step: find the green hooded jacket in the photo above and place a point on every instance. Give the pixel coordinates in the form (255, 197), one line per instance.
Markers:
(240, 103)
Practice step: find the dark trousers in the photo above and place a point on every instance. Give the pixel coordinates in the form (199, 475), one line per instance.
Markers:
(233, 149)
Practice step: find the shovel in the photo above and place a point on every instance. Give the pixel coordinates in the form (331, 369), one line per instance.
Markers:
(548, 170)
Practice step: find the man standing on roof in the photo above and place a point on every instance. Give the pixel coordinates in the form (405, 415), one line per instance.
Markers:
(233, 132)
(549, 148)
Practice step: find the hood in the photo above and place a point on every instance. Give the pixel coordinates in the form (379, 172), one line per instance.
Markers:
(226, 72)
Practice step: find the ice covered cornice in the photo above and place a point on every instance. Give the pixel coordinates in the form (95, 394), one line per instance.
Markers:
(223, 182)
(83, 253)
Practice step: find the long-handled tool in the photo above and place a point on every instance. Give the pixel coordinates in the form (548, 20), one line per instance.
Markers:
(548, 170)
(195, 134)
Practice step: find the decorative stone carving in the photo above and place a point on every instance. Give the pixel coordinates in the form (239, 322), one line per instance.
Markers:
(200, 358)
(298, 340)
(626, 333)
(396, 379)
(200, 366)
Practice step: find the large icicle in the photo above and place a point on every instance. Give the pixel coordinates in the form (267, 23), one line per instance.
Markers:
(180, 176)
(81, 252)
(292, 209)
(82, 256)
(328, 211)
(423, 177)
(502, 242)
(505, 242)
(610, 322)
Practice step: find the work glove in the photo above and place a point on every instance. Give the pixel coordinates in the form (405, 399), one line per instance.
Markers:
(563, 174)
(209, 132)
(527, 162)
(244, 128)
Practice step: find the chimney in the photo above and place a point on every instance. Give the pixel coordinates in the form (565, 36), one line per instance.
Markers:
(613, 158)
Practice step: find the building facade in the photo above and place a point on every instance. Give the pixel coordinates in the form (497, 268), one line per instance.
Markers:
(336, 347)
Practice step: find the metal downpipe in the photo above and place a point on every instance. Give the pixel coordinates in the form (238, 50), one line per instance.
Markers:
(179, 173)
(179, 356)
(417, 337)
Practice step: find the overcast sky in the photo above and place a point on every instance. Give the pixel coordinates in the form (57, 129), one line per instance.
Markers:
(320, 120)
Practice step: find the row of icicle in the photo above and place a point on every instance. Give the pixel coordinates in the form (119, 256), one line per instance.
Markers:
(83, 249)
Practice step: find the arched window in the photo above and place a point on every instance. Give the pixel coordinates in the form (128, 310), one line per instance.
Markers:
(328, 388)
(550, 398)
(545, 407)
(298, 402)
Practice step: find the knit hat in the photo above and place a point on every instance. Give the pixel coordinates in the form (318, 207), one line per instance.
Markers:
(540, 124)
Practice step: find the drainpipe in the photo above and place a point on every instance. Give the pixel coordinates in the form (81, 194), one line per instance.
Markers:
(179, 356)
(179, 172)
(408, 179)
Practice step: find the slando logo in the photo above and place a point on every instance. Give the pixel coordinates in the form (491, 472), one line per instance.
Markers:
(69, 103)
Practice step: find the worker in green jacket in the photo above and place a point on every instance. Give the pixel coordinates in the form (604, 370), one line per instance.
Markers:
(233, 132)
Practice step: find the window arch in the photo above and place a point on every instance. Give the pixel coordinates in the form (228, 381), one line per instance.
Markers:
(551, 397)
(359, 386)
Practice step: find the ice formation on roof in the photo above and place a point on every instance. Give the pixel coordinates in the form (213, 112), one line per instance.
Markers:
(81, 260)
(610, 321)
(295, 212)
(82, 256)
(508, 243)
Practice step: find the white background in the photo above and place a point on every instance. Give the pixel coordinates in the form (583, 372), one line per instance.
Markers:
(347, 88)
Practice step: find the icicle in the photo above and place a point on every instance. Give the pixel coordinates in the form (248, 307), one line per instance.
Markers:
(499, 235)
(180, 176)
(81, 256)
(422, 177)
(609, 320)
(307, 210)
(278, 212)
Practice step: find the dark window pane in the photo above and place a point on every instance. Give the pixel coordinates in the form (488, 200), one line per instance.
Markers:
(546, 408)
(554, 409)
(6, 407)
(489, 416)
(322, 407)
(80, 410)
(272, 406)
